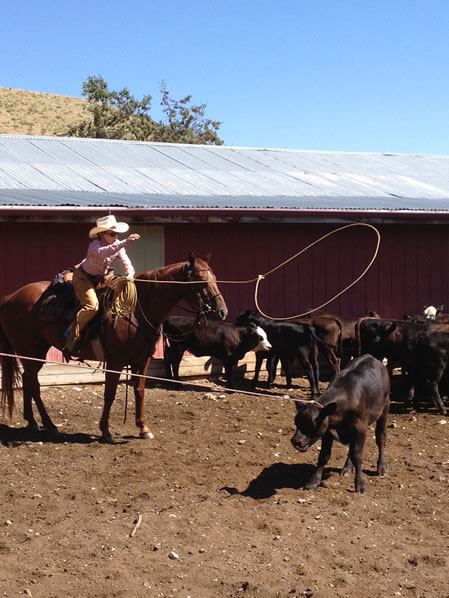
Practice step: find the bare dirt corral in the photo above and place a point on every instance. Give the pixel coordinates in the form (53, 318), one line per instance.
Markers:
(223, 512)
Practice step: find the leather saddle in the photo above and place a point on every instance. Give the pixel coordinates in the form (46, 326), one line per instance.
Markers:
(58, 303)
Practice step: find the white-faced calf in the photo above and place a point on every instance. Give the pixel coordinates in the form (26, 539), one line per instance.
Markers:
(357, 397)
(221, 340)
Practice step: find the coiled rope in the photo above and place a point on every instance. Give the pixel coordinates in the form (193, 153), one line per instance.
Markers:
(120, 297)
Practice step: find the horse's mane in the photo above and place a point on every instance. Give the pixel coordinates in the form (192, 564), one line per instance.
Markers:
(160, 273)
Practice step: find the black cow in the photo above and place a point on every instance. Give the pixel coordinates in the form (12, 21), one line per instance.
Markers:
(417, 319)
(431, 315)
(413, 347)
(431, 363)
(393, 340)
(328, 329)
(357, 397)
(287, 342)
(221, 340)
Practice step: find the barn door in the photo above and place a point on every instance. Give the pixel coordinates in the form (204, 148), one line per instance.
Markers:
(148, 252)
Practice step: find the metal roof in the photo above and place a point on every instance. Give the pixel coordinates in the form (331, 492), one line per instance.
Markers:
(58, 171)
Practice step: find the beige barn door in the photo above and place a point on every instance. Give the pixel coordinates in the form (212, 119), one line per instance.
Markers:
(148, 252)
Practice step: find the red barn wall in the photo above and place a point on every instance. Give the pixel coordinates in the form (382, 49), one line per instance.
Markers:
(32, 251)
(411, 269)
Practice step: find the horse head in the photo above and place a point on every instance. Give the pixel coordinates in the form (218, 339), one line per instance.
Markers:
(204, 293)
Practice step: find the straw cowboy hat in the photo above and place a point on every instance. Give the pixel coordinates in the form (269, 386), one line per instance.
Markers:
(108, 223)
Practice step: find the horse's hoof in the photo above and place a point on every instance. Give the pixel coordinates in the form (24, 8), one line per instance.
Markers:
(147, 435)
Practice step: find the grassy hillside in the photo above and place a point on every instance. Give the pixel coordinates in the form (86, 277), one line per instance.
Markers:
(34, 113)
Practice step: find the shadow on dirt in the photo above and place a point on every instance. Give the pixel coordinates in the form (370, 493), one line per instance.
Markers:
(281, 475)
(273, 478)
(16, 436)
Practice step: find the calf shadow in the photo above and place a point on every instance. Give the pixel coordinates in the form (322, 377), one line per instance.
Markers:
(281, 475)
(275, 477)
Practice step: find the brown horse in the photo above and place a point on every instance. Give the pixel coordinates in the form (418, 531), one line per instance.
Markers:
(26, 331)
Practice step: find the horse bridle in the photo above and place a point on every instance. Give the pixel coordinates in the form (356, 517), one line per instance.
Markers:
(201, 313)
(204, 302)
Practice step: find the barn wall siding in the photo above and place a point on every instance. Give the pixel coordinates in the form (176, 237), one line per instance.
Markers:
(37, 251)
(410, 270)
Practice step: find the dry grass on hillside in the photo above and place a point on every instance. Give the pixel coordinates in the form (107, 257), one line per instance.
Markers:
(34, 113)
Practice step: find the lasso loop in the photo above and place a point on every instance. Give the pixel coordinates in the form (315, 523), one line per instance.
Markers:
(120, 297)
(261, 276)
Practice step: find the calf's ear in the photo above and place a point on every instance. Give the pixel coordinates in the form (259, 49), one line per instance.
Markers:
(300, 404)
(328, 409)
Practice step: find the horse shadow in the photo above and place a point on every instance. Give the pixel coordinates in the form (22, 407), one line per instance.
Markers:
(17, 436)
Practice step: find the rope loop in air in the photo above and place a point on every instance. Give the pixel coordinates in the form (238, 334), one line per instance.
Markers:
(371, 262)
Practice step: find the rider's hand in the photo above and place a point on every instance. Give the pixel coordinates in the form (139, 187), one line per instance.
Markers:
(131, 238)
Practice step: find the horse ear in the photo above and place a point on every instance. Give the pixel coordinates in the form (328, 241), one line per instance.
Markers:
(191, 258)
(207, 257)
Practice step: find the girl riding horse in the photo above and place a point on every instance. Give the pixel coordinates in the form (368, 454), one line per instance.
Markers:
(95, 268)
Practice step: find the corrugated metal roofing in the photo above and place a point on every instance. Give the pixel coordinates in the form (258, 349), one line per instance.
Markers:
(58, 171)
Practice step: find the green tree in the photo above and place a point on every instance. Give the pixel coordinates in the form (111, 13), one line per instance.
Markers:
(186, 123)
(119, 115)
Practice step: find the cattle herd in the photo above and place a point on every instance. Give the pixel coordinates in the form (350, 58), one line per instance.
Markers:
(355, 348)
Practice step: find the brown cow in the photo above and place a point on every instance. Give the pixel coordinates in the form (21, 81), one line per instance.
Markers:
(328, 329)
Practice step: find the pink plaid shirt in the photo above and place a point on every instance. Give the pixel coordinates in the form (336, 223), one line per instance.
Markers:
(100, 258)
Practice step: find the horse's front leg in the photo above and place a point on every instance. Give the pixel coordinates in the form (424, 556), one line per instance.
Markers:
(139, 394)
(110, 389)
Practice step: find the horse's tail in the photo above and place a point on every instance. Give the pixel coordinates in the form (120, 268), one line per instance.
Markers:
(10, 374)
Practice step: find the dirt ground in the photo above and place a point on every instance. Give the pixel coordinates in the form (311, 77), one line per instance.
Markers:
(214, 506)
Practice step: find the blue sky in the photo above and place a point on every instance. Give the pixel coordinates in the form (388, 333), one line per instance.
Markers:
(349, 75)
